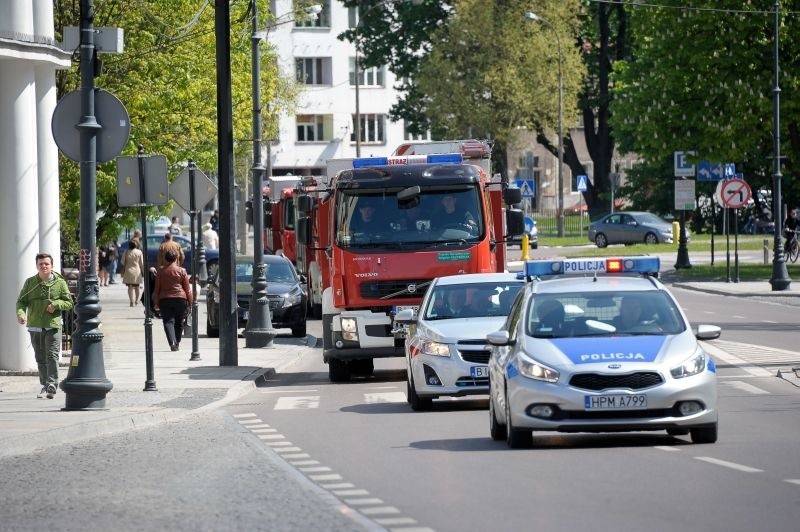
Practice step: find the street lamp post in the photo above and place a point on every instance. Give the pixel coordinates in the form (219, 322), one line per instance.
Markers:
(560, 214)
(780, 276)
(259, 331)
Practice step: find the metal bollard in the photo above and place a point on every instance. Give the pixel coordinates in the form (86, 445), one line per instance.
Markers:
(766, 251)
(525, 245)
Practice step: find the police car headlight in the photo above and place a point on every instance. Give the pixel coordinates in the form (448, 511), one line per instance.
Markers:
(535, 370)
(691, 366)
(429, 347)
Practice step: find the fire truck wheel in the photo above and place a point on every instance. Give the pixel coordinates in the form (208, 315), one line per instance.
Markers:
(363, 367)
(338, 370)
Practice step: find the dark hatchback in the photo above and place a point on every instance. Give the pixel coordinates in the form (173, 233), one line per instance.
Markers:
(285, 292)
(154, 241)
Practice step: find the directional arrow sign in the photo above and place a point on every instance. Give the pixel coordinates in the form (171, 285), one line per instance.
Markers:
(707, 171)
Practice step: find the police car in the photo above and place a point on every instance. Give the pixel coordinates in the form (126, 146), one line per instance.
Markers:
(589, 348)
(446, 350)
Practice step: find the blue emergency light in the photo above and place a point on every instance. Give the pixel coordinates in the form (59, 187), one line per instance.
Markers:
(433, 158)
(593, 266)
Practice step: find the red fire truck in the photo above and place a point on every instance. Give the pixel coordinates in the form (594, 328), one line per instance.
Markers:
(368, 269)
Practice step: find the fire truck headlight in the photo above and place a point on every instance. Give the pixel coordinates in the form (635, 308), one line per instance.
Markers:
(349, 329)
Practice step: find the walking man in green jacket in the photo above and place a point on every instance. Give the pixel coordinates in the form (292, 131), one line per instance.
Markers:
(42, 299)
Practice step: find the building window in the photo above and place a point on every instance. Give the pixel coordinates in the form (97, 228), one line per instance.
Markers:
(323, 19)
(370, 76)
(314, 128)
(373, 129)
(407, 135)
(313, 70)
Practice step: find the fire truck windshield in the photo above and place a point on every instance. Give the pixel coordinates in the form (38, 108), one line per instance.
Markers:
(372, 218)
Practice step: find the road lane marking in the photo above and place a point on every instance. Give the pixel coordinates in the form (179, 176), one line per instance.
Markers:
(271, 436)
(350, 492)
(240, 416)
(377, 510)
(385, 397)
(286, 390)
(739, 317)
(731, 465)
(325, 478)
(746, 387)
(297, 403)
(364, 500)
(666, 448)
(287, 449)
(315, 469)
(793, 481)
(297, 455)
(250, 421)
(260, 426)
(389, 521)
(303, 462)
(279, 443)
(744, 365)
(263, 431)
(338, 485)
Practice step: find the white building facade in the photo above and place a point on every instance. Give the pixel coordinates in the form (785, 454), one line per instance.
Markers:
(29, 190)
(323, 126)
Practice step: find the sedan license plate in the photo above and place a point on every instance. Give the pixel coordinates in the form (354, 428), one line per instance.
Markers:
(479, 372)
(398, 308)
(615, 402)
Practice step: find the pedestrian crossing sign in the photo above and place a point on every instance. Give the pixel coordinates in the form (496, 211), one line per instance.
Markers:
(526, 187)
(582, 186)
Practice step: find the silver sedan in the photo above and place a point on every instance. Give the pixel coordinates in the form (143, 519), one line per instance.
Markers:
(446, 350)
(631, 227)
(600, 353)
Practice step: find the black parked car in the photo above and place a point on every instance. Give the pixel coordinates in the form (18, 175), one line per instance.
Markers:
(285, 292)
(154, 241)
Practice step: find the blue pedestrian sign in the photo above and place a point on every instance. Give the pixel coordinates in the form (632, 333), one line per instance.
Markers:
(526, 187)
(730, 170)
(708, 171)
(582, 184)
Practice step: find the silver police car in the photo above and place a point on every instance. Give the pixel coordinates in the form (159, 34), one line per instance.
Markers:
(599, 352)
(446, 350)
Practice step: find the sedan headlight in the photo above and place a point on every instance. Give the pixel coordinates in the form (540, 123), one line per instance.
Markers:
(535, 370)
(691, 366)
(429, 347)
(294, 298)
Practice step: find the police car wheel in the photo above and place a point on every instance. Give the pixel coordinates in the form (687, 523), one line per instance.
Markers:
(496, 429)
(418, 404)
(516, 438)
(704, 434)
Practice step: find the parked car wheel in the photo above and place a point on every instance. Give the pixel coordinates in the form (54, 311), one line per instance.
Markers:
(650, 238)
(601, 240)
(418, 404)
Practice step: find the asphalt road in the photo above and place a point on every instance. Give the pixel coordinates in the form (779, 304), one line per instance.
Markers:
(440, 470)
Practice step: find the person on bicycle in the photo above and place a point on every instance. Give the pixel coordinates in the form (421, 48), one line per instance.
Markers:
(789, 229)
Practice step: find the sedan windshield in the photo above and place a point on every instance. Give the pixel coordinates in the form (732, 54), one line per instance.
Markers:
(603, 314)
(471, 300)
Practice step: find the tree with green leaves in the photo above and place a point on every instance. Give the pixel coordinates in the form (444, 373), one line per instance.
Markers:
(701, 79)
(166, 78)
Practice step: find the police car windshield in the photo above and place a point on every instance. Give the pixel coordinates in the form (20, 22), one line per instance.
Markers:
(560, 315)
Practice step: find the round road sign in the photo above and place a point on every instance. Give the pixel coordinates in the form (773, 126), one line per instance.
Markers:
(735, 193)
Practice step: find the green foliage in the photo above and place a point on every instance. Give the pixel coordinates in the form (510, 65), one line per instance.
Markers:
(701, 80)
(166, 78)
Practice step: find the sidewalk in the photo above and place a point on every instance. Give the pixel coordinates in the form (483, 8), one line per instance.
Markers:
(28, 423)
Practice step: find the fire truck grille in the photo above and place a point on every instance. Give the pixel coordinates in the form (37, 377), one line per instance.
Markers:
(389, 290)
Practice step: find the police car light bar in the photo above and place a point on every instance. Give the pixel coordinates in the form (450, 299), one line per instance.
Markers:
(594, 265)
(434, 158)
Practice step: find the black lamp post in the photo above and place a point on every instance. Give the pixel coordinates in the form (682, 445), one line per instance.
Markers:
(560, 215)
(258, 332)
(86, 384)
(780, 276)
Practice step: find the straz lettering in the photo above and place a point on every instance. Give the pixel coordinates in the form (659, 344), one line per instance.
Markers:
(584, 266)
(611, 356)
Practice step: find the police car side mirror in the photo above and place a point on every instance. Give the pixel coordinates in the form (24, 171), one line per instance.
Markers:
(707, 332)
(500, 338)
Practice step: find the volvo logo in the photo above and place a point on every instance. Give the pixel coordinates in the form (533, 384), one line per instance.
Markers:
(614, 366)
(412, 288)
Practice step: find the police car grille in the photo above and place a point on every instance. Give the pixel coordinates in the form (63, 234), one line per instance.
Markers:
(393, 289)
(632, 381)
(474, 351)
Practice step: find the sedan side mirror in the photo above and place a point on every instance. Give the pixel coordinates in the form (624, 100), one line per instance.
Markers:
(406, 316)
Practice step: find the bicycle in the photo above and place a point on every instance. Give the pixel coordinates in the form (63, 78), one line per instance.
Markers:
(793, 247)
